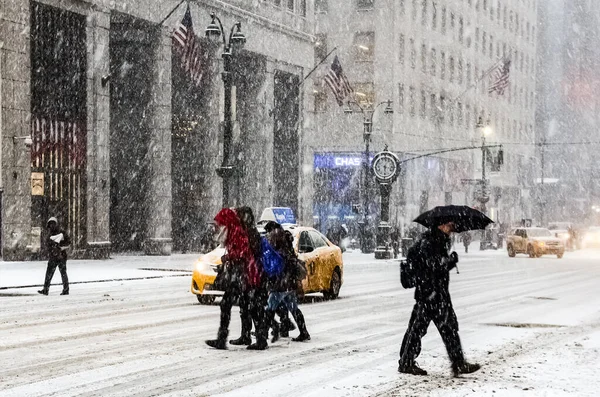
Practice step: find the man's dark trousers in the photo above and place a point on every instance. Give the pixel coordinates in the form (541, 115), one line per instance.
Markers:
(443, 316)
(62, 267)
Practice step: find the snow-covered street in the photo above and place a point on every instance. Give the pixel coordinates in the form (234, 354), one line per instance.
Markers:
(534, 324)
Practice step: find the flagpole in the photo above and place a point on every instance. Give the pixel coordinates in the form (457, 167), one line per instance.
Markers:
(315, 68)
(171, 13)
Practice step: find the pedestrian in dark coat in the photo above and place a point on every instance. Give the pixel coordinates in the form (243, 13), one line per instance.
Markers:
(58, 242)
(238, 266)
(253, 299)
(283, 287)
(466, 237)
(432, 272)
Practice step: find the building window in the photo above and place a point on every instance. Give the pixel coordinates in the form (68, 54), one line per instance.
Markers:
(451, 69)
(364, 46)
(365, 94)
(303, 8)
(424, 12)
(460, 119)
(423, 107)
(365, 4)
(413, 54)
(443, 65)
(434, 17)
(433, 62)
(320, 104)
(461, 29)
(423, 58)
(491, 46)
(414, 10)
(469, 80)
(401, 98)
(290, 5)
(484, 43)
(321, 6)
(477, 35)
(444, 20)
(459, 71)
(277, 3)
(411, 101)
(452, 21)
(401, 50)
(320, 47)
(434, 109)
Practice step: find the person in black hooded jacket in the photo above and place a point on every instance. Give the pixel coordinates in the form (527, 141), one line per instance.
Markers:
(433, 303)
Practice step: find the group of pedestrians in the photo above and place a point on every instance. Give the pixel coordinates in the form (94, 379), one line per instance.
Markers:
(261, 292)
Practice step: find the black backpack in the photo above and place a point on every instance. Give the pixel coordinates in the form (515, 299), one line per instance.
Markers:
(408, 277)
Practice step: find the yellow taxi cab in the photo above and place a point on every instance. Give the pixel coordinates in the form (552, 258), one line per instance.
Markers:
(323, 261)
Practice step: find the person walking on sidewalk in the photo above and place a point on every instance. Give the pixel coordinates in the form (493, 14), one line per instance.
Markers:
(431, 265)
(57, 243)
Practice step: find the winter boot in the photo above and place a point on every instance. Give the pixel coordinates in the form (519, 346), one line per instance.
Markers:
(464, 368)
(412, 369)
(241, 341)
(42, 292)
(304, 335)
(221, 341)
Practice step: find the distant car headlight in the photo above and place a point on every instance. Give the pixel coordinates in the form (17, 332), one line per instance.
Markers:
(540, 243)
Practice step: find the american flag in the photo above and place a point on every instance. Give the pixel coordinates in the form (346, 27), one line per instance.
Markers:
(187, 46)
(338, 82)
(499, 78)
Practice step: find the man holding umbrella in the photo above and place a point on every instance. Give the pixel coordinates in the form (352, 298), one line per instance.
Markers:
(431, 263)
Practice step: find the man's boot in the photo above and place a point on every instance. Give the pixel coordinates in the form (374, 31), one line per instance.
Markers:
(412, 369)
(464, 368)
(42, 292)
(221, 341)
(304, 335)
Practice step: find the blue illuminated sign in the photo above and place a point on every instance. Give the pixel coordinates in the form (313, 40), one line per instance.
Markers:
(284, 215)
(339, 160)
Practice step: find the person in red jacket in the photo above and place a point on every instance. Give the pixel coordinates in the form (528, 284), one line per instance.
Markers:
(240, 270)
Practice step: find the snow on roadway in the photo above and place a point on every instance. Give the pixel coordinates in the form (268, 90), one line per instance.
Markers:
(533, 323)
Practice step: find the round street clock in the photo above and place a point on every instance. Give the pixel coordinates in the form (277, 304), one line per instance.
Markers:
(386, 166)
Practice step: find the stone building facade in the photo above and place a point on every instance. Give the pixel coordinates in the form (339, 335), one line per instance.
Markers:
(124, 146)
(426, 56)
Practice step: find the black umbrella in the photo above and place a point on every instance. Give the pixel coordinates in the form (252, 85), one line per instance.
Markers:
(464, 218)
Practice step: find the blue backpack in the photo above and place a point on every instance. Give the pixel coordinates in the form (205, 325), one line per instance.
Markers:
(271, 260)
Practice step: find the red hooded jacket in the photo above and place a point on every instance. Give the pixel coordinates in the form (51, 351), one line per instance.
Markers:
(238, 246)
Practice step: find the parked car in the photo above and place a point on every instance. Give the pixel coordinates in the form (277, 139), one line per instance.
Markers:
(323, 260)
(535, 242)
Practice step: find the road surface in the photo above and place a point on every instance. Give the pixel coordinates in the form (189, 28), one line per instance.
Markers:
(534, 324)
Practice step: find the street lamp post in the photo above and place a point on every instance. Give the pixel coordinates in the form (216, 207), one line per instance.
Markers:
(368, 113)
(236, 42)
(484, 130)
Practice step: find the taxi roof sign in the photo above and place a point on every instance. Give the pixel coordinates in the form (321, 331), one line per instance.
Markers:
(281, 215)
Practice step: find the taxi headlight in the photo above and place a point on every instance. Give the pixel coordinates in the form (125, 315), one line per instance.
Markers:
(540, 243)
(201, 266)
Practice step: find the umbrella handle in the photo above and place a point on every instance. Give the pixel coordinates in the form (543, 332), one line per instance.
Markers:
(457, 272)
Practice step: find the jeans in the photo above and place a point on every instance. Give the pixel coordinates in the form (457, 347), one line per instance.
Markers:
(288, 298)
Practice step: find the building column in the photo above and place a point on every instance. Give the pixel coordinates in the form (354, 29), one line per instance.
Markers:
(15, 116)
(98, 132)
(159, 241)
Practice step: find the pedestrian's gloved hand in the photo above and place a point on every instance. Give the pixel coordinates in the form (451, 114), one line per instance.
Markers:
(451, 260)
